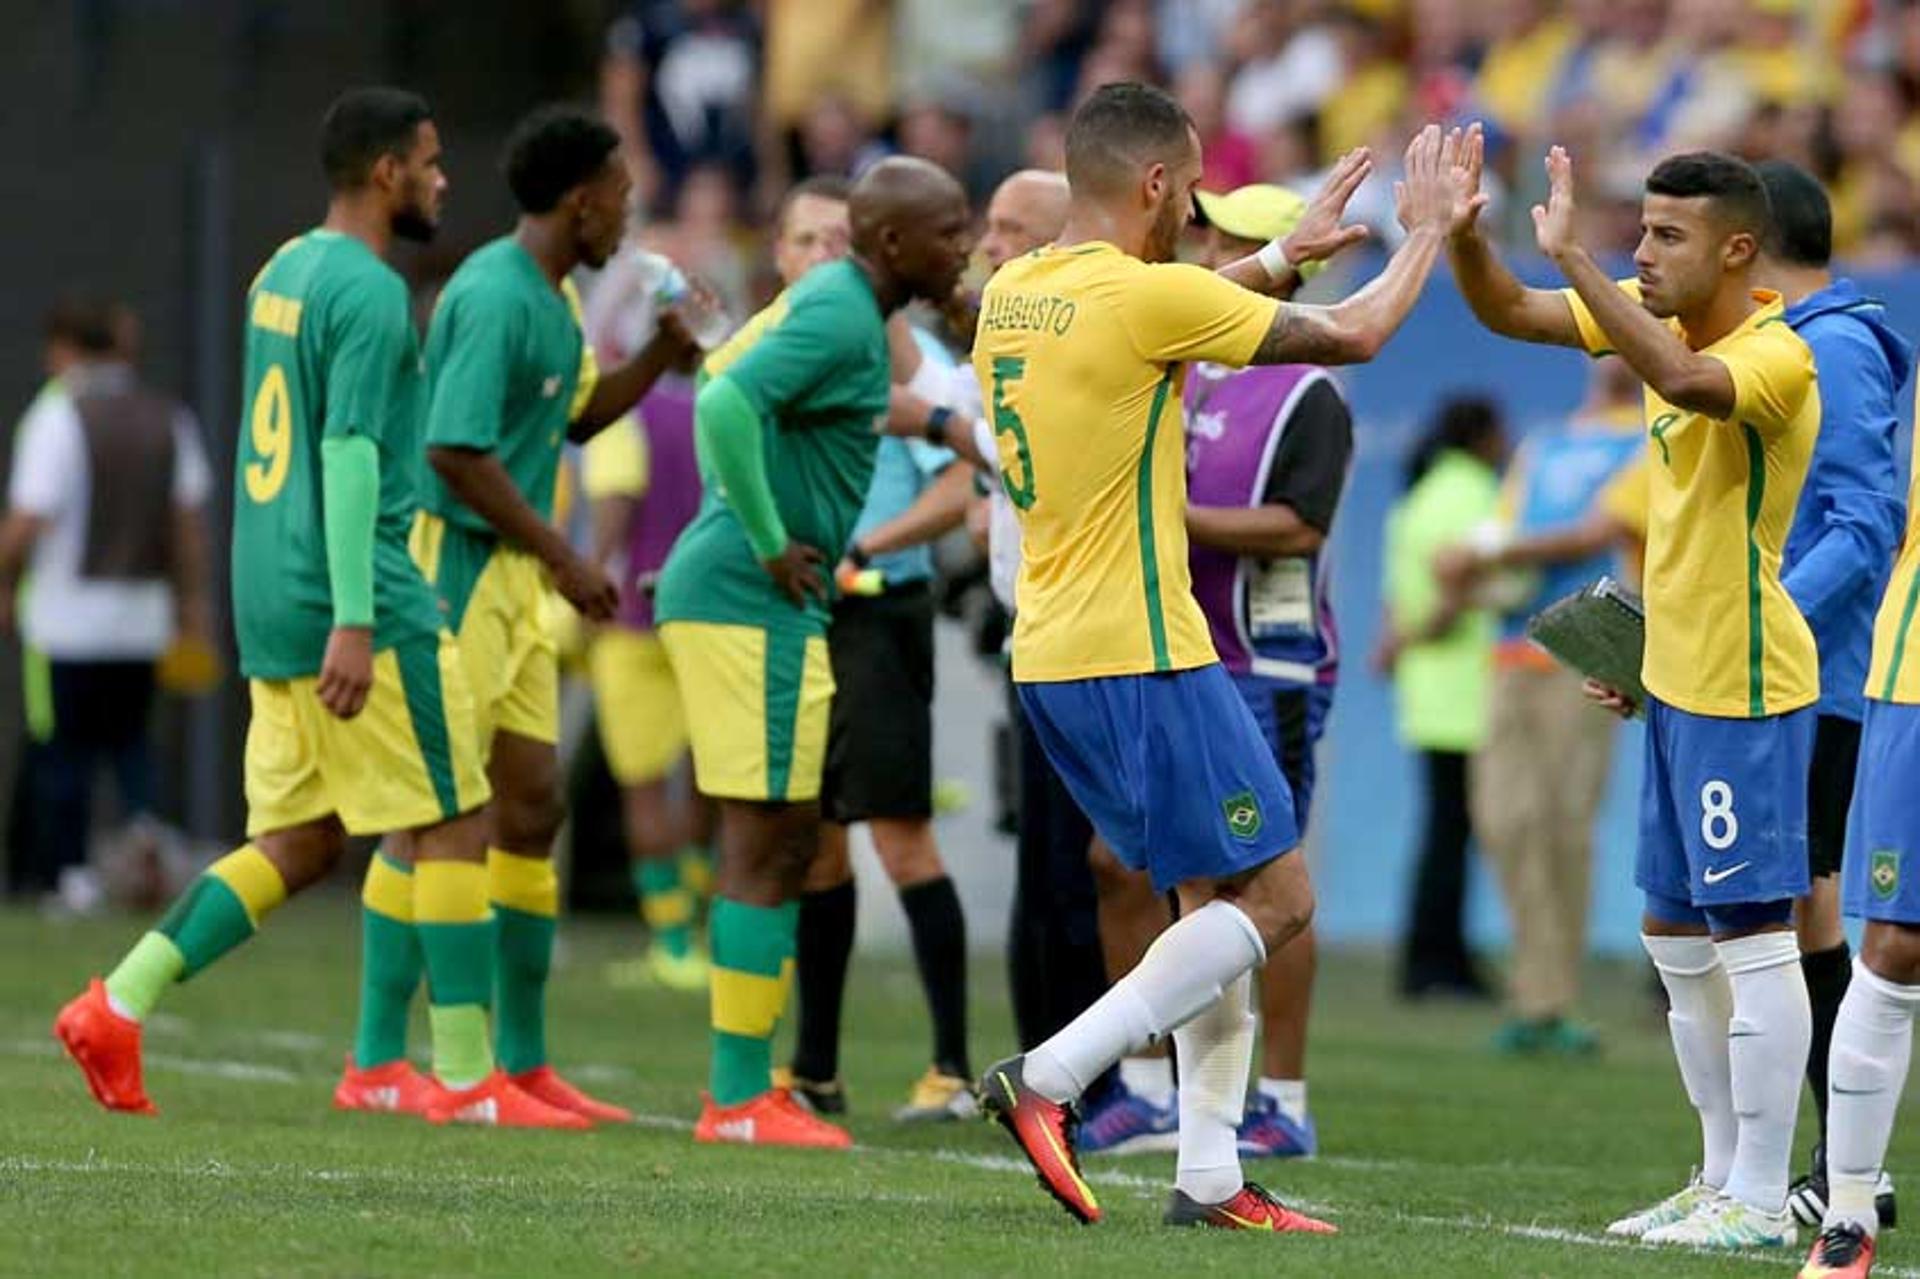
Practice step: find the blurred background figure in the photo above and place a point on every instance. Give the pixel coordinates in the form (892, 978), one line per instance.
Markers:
(1438, 648)
(1538, 778)
(105, 523)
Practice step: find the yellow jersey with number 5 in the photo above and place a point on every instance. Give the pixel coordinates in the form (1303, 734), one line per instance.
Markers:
(331, 354)
(1080, 354)
(1723, 635)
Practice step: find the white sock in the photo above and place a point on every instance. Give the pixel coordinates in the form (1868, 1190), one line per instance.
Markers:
(1183, 972)
(1702, 1004)
(1872, 1043)
(1216, 1050)
(1148, 1078)
(1288, 1094)
(1767, 1044)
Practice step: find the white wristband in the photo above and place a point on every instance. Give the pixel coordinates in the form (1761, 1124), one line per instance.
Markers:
(1274, 259)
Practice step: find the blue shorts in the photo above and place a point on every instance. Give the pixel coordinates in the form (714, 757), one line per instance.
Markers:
(1170, 768)
(1291, 717)
(1884, 824)
(1723, 807)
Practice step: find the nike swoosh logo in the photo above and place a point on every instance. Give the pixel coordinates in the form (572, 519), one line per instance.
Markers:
(1244, 1224)
(1710, 876)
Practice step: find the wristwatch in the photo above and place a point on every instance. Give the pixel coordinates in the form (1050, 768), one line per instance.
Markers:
(936, 431)
(858, 557)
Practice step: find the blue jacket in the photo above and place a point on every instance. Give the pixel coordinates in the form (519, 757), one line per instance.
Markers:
(1841, 548)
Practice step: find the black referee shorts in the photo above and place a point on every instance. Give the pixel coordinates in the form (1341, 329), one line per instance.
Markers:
(1836, 754)
(880, 733)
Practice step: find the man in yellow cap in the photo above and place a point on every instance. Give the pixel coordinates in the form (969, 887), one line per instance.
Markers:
(1267, 454)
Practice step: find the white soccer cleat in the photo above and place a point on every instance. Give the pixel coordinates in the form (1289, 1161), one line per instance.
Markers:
(1724, 1223)
(1674, 1208)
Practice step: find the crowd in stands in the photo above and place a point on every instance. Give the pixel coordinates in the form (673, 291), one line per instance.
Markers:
(725, 102)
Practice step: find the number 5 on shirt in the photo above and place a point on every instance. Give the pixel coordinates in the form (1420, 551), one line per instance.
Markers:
(272, 435)
(1008, 368)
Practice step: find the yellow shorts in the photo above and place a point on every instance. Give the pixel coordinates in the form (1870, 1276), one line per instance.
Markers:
(643, 729)
(756, 703)
(409, 759)
(495, 598)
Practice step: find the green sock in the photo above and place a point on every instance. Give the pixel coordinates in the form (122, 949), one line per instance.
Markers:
(666, 906)
(752, 953)
(217, 912)
(390, 962)
(526, 898)
(456, 940)
(153, 964)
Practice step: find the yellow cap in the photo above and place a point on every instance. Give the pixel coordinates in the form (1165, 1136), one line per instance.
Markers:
(1258, 212)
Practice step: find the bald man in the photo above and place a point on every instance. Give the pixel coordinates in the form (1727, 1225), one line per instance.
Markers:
(785, 425)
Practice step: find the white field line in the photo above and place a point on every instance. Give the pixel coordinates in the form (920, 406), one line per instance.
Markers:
(1142, 1186)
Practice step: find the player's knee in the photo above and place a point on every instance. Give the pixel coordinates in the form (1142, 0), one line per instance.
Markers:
(1892, 952)
(528, 821)
(1740, 919)
(908, 852)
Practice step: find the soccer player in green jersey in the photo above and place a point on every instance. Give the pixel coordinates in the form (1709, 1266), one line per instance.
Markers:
(786, 424)
(361, 712)
(511, 378)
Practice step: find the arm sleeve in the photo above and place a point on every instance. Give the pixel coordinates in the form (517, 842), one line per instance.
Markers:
(732, 440)
(1855, 479)
(474, 336)
(1175, 312)
(1592, 336)
(350, 501)
(372, 338)
(46, 457)
(1772, 372)
(192, 477)
(1310, 466)
(614, 462)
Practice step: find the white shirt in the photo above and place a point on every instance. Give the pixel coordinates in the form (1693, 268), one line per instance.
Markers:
(64, 615)
(958, 389)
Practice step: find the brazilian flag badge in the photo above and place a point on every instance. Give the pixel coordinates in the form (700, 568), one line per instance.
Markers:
(1883, 872)
(1243, 815)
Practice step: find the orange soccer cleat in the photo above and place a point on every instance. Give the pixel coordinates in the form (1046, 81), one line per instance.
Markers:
(1044, 1130)
(773, 1118)
(543, 1083)
(494, 1102)
(106, 1047)
(393, 1087)
(1252, 1209)
(1841, 1252)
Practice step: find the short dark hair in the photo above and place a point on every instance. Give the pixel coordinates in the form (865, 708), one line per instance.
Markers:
(90, 323)
(365, 124)
(1727, 180)
(1800, 231)
(1463, 423)
(822, 186)
(1117, 128)
(552, 151)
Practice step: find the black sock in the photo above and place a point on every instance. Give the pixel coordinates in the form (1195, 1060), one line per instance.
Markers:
(1827, 972)
(821, 952)
(940, 949)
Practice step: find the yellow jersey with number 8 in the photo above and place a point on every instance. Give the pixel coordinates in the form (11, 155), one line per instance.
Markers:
(1723, 635)
(1080, 354)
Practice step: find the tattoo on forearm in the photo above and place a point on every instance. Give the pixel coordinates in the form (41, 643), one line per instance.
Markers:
(1301, 335)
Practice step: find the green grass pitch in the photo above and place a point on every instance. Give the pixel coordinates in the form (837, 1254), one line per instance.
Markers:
(1440, 1159)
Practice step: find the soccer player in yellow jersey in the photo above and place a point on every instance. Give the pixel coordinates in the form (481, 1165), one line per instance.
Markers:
(1081, 349)
(1730, 669)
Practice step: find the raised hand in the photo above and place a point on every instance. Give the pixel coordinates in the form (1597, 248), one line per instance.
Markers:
(1553, 222)
(1463, 159)
(1425, 194)
(1320, 233)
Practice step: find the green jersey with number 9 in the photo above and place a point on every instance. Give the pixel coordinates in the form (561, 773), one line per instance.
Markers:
(331, 351)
